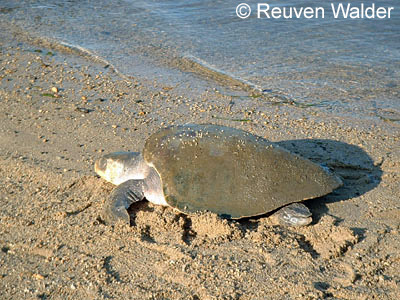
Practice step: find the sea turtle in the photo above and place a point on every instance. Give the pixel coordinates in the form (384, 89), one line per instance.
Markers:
(224, 170)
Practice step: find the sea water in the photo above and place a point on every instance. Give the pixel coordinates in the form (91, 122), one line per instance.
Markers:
(346, 64)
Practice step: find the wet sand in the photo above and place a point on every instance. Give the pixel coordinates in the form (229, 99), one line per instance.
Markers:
(59, 112)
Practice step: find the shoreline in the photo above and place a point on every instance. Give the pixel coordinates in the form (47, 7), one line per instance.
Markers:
(60, 112)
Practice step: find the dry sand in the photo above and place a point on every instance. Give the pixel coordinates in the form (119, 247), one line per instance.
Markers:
(59, 112)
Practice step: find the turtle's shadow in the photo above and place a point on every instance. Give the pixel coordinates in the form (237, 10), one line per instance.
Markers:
(351, 163)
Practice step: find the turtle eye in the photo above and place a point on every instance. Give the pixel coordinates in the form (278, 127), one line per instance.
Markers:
(101, 164)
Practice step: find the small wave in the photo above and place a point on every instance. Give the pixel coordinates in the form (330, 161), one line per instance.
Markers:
(62, 46)
(93, 56)
(197, 65)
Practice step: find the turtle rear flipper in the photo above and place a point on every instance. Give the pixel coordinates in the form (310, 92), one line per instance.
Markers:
(115, 208)
(295, 214)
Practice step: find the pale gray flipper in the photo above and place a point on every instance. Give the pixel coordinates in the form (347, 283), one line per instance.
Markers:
(115, 208)
(295, 214)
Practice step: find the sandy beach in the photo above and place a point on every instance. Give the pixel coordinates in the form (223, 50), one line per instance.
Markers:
(60, 111)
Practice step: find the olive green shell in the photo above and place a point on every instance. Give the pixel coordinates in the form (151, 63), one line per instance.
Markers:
(231, 172)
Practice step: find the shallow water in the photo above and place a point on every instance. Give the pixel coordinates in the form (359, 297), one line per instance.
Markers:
(343, 65)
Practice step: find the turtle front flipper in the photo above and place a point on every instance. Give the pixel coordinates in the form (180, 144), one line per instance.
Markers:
(295, 214)
(121, 198)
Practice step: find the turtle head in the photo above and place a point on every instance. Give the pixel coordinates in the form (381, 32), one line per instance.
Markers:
(119, 167)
